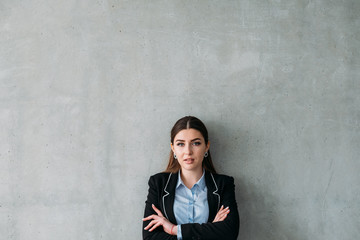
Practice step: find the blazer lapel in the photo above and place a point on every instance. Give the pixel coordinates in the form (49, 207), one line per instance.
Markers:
(213, 196)
(169, 197)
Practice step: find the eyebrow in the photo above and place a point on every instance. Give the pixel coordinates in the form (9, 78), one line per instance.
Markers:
(179, 140)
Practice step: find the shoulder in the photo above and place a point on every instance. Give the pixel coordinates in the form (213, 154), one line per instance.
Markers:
(160, 178)
(161, 175)
(222, 178)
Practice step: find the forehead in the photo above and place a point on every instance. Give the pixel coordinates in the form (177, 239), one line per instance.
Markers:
(188, 134)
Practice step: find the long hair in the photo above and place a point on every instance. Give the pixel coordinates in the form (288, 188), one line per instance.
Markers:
(187, 123)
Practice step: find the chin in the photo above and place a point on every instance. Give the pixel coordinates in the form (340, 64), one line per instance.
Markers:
(191, 167)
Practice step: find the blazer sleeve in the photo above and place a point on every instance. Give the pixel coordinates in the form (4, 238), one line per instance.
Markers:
(154, 196)
(225, 230)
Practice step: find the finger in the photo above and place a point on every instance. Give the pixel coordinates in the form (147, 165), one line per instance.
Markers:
(218, 215)
(224, 216)
(223, 211)
(220, 210)
(220, 219)
(149, 217)
(157, 210)
(155, 226)
(150, 224)
(221, 214)
(222, 207)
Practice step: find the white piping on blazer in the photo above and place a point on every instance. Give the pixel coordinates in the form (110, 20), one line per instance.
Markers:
(167, 193)
(216, 191)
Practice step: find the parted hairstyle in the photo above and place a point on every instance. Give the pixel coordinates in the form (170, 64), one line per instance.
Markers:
(189, 122)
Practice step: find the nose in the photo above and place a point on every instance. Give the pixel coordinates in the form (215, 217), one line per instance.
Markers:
(188, 149)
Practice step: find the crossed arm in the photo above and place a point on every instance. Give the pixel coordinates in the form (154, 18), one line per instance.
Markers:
(225, 225)
(158, 219)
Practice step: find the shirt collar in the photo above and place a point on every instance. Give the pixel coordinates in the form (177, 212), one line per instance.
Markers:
(201, 183)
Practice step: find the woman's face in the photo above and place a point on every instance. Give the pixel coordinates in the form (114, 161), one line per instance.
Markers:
(189, 147)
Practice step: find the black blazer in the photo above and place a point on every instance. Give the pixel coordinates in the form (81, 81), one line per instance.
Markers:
(220, 191)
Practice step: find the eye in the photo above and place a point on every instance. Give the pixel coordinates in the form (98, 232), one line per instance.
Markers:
(180, 144)
(197, 143)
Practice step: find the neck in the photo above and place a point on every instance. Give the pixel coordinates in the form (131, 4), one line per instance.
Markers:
(189, 178)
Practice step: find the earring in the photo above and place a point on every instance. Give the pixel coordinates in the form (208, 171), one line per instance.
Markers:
(206, 154)
(175, 156)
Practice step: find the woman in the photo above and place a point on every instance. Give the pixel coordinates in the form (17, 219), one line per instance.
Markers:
(189, 200)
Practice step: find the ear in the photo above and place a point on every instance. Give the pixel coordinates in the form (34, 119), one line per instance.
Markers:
(207, 146)
(172, 147)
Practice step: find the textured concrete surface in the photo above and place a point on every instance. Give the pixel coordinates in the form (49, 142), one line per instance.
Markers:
(90, 89)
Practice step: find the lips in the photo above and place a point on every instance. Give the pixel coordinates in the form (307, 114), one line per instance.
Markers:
(189, 160)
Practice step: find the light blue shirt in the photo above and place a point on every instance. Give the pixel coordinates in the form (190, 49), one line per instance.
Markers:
(190, 205)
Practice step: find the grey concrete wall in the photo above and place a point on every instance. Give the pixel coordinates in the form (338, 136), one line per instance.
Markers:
(90, 89)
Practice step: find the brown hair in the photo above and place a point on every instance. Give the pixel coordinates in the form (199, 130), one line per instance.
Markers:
(187, 123)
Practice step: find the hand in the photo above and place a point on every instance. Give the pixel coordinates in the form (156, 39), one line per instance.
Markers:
(221, 214)
(160, 220)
